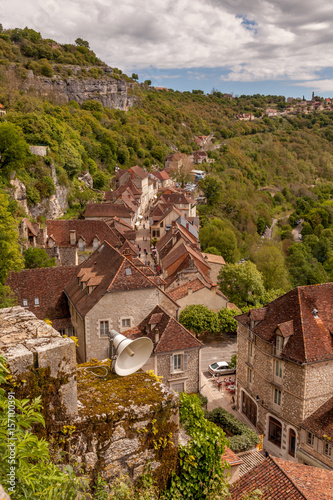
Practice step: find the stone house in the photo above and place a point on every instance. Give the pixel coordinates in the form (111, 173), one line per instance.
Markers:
(141, 180)
(161, 219)
(176, 352)
(124, 196)
(174, 237)
(182, 201)
(281, 479)
(73, 241)
(163, 178)
(285, 367)
(41, 291)
(215, 263)
(199, 291)
(182, 264)
(316, 437)
(28, 233)
(108, 291)
(97, 211)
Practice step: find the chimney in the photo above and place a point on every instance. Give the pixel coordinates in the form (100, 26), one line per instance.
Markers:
(189, 291)
(157, 335)
(72, 237)
(214, 288)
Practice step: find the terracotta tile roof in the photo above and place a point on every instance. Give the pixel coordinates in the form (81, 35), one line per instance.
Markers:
(46, 284)
(30, 226)
(180, 252)
(320, 422)
(287, 328)
(172, 335)
(175, 199)
(313, 482)
(280, 479)
(155, 318)
(181, 291)
(312, 339)
(165, 212)
(107, 210)
(110, 272)
(85, 229)
(231, 457)
(161, 175)
(134, 189)
(128, 247)
(214, 259)
(138, 171)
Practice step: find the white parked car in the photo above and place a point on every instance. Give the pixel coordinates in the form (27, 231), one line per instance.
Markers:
(221, 368)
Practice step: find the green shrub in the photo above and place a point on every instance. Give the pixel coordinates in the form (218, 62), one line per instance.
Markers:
(243, 437)
(45, 186)
(32, 196)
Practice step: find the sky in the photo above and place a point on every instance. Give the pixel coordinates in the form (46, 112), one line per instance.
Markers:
(278, 47)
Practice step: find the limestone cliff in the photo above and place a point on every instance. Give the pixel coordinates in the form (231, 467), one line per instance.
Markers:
(111, 92)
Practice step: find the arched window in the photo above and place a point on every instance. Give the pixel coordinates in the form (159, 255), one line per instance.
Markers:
(274, 431)
(292, 442)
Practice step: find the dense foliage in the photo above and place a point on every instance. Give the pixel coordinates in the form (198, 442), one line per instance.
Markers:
(26, 457)
(267, 168)
(243, 438)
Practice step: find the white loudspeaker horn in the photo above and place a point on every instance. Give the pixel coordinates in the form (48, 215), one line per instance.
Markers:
(131, 354)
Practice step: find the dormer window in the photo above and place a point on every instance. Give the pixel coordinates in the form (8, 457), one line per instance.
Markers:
(36, 301)
(81, 245)
(25, 302)
(279, 343)
(96, 243)
(128, 271)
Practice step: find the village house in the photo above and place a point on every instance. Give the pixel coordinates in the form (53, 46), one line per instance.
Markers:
(285, 371)
(198, 291)
(141, 180)
(28, 233)
(108, 291)
(41, 291)
(175, 236)
(246, 117)
(201, 157)
(161, 218)
(97, 211)
(215, 263)
(181, 200)
(183, 264)
(316, 437)
(163, 179)
(279, 479)
(73, 241)
(176, 352)
(2, 110)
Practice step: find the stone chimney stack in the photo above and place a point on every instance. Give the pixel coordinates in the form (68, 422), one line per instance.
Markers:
(72, 237)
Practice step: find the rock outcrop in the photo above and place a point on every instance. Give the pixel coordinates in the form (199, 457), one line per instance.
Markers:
(111, 92)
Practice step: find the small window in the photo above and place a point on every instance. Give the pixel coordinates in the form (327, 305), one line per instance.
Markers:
(126, 323)
(279, 343)
(251, 350)
(277, 397)
(310, 438)
(25, 302)
(103, 328)
(128, 271)
(275, 431)
(36, 301)
(177, 362)
(278, 368)
(327, 450)
(292, 442)
(178, 387)
(249, 375)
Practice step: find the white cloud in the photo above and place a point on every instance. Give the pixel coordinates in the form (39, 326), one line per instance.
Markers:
(319, 85)
(270, 39)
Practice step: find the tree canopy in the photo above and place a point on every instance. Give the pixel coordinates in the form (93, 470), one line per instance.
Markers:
(242, 283)
(10, 255)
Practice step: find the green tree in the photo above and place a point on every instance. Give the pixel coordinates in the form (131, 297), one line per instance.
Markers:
(270, 261)
(199, 319)
(242, 283)
(14, 150)
(304, 269)
(219, 234)
(7, 297)
(37, 257)
(70, 158)
(82, 43)
(135, 76)
(10, 255)
(212, 188)
(227, 322)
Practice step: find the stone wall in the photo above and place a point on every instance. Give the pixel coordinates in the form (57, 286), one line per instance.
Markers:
(113, 307)
(190, 377)
(204, 296)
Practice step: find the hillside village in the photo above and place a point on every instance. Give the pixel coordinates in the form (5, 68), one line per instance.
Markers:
(128, 190)
(133, 263)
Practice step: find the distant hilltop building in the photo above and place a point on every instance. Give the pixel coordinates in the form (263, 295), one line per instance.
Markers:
(2, 110)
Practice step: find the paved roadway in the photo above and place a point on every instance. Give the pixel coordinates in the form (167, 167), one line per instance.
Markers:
(217, 349)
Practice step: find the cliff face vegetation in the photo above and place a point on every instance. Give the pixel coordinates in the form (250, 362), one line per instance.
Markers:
(92, 119)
